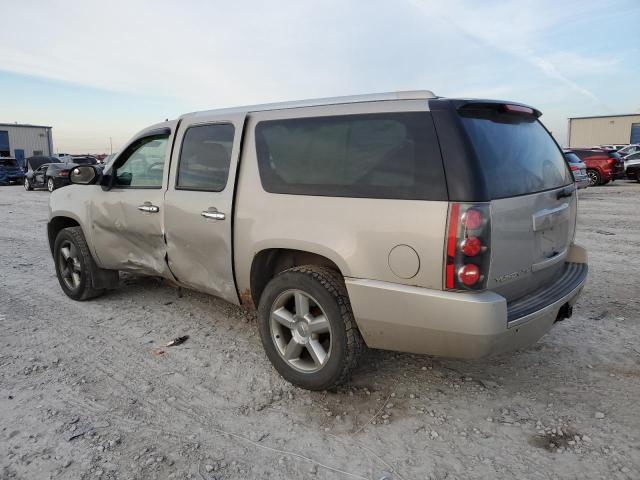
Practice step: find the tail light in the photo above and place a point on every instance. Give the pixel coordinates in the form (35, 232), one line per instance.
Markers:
(574, 167)
(468, 239)
(63, 173)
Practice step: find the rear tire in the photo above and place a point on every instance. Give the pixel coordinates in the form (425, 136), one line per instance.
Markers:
(27, 184)
(51, 185)
(594, 178)
(307, 327)
(75, 267)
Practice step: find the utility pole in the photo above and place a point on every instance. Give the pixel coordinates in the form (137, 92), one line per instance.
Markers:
(111, 145)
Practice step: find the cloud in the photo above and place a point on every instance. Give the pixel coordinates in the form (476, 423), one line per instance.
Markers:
(517, 29)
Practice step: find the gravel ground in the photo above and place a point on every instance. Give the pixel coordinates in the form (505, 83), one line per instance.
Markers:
(86, 391)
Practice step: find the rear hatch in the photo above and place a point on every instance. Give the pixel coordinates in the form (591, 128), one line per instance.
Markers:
(531, 192)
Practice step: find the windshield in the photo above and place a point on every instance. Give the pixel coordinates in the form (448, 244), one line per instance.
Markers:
(515, 151)
(8, 162)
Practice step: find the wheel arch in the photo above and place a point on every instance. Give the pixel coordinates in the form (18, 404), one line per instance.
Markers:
(56, 224)
(267, 263)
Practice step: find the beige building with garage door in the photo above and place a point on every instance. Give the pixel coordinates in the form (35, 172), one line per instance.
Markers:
(604, 130)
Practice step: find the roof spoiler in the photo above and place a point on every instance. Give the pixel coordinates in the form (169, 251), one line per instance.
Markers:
(509, 107)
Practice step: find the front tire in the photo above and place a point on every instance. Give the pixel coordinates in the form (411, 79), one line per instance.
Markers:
(307, 327)
(27, 184)
(74, 264)
(594, 178)
(51, 185)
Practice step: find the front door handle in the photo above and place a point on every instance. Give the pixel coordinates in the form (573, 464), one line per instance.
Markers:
(147, 207)
(213, 213)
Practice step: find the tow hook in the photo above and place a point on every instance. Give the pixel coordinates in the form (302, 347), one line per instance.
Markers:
(565, 312)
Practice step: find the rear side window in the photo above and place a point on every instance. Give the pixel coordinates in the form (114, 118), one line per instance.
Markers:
(205, 157)
(390, 155)
(572, 158)
(516, 153)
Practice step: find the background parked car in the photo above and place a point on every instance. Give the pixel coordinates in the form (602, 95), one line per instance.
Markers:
(578, 169)
(602, 166)
(632, 159)
(10, 171)
(629, 149)
(50, 172)
(36, 170)
(633, 172)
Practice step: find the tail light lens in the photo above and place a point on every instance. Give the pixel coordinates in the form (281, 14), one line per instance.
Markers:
(574, 167)
(63, 173)
(467, 253)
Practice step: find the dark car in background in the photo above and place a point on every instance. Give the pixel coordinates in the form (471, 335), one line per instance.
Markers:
(633, 172)
(51, 173)
(10, 171)
(602, 166)
(36, 171)
(578, 169)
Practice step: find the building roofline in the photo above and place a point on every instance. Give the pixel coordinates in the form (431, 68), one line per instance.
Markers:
(316, 102)
(607, 116)
(24, 125)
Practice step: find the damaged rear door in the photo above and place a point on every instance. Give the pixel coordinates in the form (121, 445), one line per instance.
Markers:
(127, 218)
(198, 210)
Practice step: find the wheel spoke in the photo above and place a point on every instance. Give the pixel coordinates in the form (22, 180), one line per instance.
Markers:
(319, 324)
(73, 251)
(284, 317)
(302, 304)
(76, 279)
(65, 252)
(76, 265)
(317, 352)
(293, 350)
(64, 273)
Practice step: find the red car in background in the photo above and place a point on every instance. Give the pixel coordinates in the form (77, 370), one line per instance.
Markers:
(602, 166)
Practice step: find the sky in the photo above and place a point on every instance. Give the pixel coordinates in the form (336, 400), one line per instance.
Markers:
(98, 72)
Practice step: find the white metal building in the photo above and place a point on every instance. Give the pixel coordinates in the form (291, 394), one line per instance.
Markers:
(604, 130)
(22, 140)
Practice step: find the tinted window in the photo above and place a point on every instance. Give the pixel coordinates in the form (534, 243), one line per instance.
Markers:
(391, 155)
(143, 164)
(8, 162)
(572, 158)
(205, 157)
(515, 151)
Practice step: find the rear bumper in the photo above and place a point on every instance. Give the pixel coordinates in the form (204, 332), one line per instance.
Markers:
(455, 324)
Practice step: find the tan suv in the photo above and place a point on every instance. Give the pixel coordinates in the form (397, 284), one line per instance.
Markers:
(402, 221)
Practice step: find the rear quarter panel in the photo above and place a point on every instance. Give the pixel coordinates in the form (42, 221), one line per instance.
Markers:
(357, 234)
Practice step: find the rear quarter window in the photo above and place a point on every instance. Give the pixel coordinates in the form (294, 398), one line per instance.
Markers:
(516, 153)
(390, 155)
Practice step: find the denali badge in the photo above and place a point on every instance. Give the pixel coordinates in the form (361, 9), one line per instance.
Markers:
(511, 276)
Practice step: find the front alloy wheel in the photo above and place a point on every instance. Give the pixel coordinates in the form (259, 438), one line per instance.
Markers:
(50, 185)
(69, 265)
(27, 184)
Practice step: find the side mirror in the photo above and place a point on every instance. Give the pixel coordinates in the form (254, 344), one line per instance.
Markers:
(83, 175)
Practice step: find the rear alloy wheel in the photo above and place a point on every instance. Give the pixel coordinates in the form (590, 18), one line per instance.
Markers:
(594, 178)
(307, 327)
(27, 184)
(51, 186)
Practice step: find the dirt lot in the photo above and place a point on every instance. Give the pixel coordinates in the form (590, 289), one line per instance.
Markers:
(85, 392)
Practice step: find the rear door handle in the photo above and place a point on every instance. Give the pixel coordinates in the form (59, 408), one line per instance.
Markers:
(213, 213)
(147, 207)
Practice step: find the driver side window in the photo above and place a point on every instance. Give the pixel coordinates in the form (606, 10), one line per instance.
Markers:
(144, 165)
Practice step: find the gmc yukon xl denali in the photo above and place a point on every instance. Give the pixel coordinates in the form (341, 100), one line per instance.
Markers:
(399, 221)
